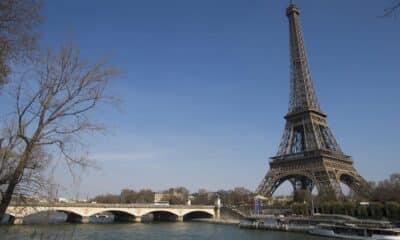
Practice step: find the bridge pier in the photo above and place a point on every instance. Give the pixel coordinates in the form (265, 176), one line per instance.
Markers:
(16, 220)
(217, 214)
(179, 219)
(84, 220)
(138, 219)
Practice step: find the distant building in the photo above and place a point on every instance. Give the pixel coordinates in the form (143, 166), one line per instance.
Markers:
(158, 197)
(171, 196)
(63, 200)
(278, 200)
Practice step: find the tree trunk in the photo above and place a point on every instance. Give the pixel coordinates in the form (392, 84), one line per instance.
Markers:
(5, 201)
(14, 180)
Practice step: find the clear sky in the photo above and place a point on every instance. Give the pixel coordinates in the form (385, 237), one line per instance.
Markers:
(205, 86)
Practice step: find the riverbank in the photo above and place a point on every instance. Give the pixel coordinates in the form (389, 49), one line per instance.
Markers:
(276, 227)
(305, 224)
(258, 225)
(217, 221)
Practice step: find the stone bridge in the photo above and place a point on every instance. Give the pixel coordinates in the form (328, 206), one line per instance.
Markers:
(80, 212)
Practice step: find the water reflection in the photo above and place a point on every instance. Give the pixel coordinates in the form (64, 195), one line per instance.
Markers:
(140, 231)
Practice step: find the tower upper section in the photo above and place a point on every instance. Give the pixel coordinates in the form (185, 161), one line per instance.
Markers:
(302, 93)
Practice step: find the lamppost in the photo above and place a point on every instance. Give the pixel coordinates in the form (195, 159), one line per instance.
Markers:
(312, 205)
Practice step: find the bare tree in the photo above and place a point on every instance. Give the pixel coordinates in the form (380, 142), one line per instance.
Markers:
(392, 11)
(387, 190)
(18, 19)
(32, 180)
(52, 103)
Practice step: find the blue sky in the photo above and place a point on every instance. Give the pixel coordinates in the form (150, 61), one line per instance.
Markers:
(205, 86)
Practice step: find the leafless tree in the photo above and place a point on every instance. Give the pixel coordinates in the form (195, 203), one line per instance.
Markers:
(392, 11)
(52, 106)
(18, 19)
(32, 180)
(387, 190)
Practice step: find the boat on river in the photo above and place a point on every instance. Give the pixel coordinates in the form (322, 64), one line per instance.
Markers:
(351, 231)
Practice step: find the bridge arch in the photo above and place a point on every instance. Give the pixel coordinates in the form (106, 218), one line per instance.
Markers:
(160, 215)
(50, 214)
(120, 215)
(33, 211)
(197, 214)
(8, 218)
(66, 211)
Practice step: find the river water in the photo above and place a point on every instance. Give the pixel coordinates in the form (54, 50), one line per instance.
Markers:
(139, 231)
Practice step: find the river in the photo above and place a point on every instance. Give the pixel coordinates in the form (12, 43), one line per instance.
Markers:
(139, 231)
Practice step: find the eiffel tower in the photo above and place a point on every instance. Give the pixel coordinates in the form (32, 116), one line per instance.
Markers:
(308, 155)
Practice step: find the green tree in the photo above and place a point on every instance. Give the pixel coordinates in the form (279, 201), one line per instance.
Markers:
(337, 207)
(392, 210)
(326, 207)
(362, 211)
(376, 209)
(349, 208)
(301, 209)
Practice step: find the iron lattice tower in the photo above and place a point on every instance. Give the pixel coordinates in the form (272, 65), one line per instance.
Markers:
(308, 154)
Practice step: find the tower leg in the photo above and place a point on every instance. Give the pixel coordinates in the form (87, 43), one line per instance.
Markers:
(356, 183)
(328, 185)
(268, 185)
